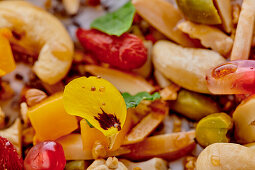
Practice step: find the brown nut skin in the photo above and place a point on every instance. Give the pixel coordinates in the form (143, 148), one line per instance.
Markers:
(226, 156)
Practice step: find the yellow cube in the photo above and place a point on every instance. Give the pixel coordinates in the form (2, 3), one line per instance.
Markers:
(50, 120)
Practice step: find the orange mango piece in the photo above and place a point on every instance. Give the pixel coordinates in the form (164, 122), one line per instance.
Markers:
(72, 146)
(7, 63)
(91, 135)
(50, 120)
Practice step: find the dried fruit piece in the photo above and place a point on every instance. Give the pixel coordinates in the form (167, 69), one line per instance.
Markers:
(213, 129)
(203, 12)
(234, 77)
(9, 158)
(50, 120)
(47, 155)
(73, 148)
(98, 101)
(7, 63)
(125, 52)
(193, 105)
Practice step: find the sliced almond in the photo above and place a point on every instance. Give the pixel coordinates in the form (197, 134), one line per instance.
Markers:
(210, 37)
(244, 31)
(125, 82)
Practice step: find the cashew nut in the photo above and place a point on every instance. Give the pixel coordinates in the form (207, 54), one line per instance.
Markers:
(226, 156)
(185, 66)
(38, 32)
(13, 134)
(152, 164)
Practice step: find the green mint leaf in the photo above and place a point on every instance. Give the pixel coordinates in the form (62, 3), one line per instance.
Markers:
(133, 101)
(117, 22)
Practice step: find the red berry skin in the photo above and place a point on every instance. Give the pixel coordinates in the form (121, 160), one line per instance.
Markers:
(48, 155)
(126, 52)
(9, 158)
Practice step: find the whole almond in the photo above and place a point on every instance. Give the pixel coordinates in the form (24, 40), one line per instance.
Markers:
(34, 96)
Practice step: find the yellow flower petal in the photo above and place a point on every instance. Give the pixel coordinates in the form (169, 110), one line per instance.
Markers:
(98, 101)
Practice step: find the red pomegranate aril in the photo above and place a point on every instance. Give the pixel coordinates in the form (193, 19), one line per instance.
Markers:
(9, 158)
(48, 155)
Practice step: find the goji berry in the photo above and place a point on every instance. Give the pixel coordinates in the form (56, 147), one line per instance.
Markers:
(125, 52)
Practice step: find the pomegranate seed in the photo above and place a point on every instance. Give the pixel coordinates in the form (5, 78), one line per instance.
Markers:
(48, 155)
(9, 158)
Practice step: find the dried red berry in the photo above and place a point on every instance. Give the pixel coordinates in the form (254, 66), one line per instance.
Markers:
(125, 52)
(9, 158)
(47, 155)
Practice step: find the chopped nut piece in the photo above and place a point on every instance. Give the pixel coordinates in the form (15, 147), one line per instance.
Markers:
(209, 36)
(98, 150)
(190, 163)
(13, 134)
(112, 162)
(34, 96)
(177, 124)
(152, 164)
(71, 6)
(23, 111)
(170, 92)
(244, 31)
(96, 163)
(161, 79)
(235, 13)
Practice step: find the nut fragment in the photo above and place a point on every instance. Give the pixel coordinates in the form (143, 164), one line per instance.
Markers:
(209, 36)
(169, 92)
(23, 111)
(34, 96)
(112, 162)
(190, 163)
(71, 6)
(13, 134)
(226, 156)
(152, 164)
(185, 66)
